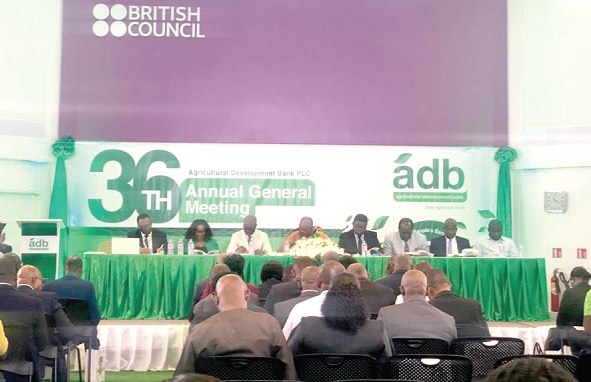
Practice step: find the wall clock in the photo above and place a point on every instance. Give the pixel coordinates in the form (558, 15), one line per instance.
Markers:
(555, 201)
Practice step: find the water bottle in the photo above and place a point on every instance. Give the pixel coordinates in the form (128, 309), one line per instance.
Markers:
(190, 247)
(520, 250)
(364, 248)
(502, 252)
(180, 247)
(286, 247)
(170, 247)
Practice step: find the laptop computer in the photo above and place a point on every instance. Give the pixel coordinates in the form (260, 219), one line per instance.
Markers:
(125, 246)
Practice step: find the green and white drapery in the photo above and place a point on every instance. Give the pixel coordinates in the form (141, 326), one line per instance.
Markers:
(58, 208)
(504, 156)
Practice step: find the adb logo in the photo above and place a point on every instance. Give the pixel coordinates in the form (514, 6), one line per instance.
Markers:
(101, 27)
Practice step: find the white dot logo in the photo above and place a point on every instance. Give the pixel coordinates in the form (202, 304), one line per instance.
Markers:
(101, 26)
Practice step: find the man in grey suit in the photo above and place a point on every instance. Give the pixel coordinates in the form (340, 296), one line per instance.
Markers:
(376, 296)
(416, 318)
(309, 289)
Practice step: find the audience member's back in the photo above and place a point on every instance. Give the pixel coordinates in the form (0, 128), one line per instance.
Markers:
(530, 370)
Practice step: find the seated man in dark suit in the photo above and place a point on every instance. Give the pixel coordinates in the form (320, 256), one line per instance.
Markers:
(29, 282)
(291, 289)
(570, 312)
(151, 240)
(18, 309)
(400, 264)
(352, 240)
(309, 289)
(449, 243)
(200, 285)
(375, 295)
(467, 312)
(71, 286)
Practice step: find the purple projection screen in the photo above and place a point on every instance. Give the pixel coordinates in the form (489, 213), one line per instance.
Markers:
(360, 72)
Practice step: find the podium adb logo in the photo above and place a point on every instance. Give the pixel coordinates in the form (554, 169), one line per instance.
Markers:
(38, 244)
(439, 176)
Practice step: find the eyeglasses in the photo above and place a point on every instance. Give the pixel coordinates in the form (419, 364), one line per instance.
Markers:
(146, 225)
(200, 231)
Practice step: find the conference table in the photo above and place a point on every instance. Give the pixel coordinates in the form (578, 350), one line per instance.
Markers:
(161, 286)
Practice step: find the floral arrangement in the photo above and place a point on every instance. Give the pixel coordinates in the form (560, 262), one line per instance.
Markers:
(313, 247)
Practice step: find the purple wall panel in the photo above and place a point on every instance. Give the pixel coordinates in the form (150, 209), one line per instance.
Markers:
(371, 72)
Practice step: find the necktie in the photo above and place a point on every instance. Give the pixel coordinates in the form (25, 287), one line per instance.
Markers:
(249, 238)
(449, 248)
(359, 244)
(406, 246)
(146, 244)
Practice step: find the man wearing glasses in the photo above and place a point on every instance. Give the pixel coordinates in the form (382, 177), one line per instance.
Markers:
(151, 240)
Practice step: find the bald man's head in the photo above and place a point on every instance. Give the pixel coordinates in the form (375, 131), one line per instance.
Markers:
(359, 271)
(308, 278)
(329, 270)
(413, 284)
(29, 275)
(330, 255)
(230, 293)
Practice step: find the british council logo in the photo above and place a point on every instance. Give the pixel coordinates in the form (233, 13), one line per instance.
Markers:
(101, 13)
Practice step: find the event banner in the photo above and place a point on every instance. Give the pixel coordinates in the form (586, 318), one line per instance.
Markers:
(111, 183)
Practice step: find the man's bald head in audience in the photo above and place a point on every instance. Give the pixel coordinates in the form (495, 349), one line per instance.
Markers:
(15, 259)
(29, 275)
(299, 264)
(413, 284)
(230, 293)
(330, 255)
(217, 269)
(359, 271)
(328, 270)
(7, 272)
(308, 278)
(423, 266)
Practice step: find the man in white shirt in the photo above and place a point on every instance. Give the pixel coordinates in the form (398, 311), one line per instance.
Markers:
(249, 239)
(495, 244)
(404, 240)
(311, 307)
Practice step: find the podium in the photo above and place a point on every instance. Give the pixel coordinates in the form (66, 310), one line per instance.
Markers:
(40, 244)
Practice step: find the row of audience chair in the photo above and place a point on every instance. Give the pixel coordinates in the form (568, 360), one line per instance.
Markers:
(18, 360)
(416, 360)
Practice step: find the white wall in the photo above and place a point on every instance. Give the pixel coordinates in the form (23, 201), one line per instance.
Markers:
(29, 98)
(550, 124)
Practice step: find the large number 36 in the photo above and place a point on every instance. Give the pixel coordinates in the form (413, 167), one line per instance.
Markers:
(158, 196)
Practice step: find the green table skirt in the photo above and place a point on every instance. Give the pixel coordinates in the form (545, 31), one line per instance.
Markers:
(161, 287)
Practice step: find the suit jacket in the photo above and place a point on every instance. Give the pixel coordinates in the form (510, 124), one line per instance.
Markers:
(265, 288)
(281, 292)
(376, 295)
(393, 281)
(52, 307)
(570, 312)
(312, 336)
(439, 247)
(158, 239)
(416, 318)
(72, 287)
(466, 312)
(207, 308)
(282, 309)
(197, 292)
(348, 242)
(18, 309)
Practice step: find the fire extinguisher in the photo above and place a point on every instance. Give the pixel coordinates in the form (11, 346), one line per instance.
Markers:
(554, 292)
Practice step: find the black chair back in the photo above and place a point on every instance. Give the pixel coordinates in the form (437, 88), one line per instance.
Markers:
(432, 368)
(77, 311)
(486, 351)
(569, 362)
(19, 356)
(420, 346)
(334, 367)
(584, 367)
(471, 330)
(241, 368)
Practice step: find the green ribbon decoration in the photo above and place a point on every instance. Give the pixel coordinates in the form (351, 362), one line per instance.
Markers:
(504, 156)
